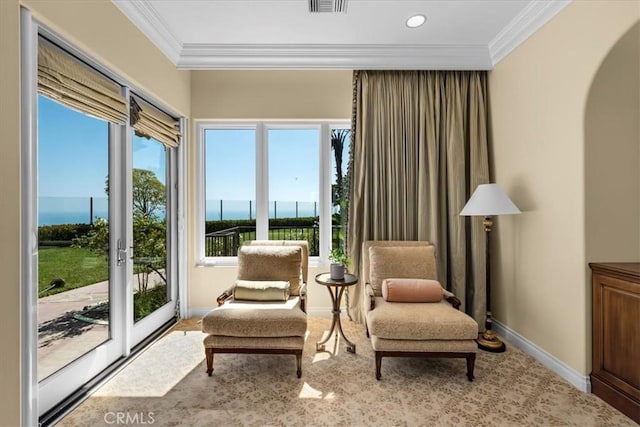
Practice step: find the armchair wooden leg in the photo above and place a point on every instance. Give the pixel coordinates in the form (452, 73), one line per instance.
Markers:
(209, 353)
(378, 364)
(471, 361)
(299, 363)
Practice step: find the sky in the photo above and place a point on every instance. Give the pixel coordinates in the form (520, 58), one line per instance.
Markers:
(230, 157)
(73, 159)
(73, 153)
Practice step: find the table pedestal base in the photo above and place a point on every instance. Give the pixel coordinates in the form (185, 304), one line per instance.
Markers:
(336, 297)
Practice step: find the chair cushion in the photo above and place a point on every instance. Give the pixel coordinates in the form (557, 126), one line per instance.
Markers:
(221, 342)
(261, 290)
(271, 263)
(411, 290)
(402, 262)
(256, 319)
(426, 321)
(304, 245)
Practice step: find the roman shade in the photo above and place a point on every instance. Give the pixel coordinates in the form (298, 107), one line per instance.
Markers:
(150, 122)
(69, 81)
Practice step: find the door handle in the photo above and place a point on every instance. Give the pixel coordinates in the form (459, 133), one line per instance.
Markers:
(121, 253)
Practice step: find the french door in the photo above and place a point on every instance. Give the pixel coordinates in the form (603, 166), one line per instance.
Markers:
(106, 274)
(154, 236)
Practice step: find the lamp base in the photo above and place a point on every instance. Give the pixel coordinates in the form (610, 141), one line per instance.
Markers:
(488, 341)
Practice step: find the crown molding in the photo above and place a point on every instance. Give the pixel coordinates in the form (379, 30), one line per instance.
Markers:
(528, 21)
(145, 17)
(208, 56)
(443, 57)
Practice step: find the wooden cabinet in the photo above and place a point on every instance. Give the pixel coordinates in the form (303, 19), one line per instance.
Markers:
(615, 376)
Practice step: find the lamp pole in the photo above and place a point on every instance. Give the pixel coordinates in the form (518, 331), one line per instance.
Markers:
(488, 340)
(489, 200)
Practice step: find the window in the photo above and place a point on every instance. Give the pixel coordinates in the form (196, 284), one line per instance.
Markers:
(270, 180)
(230, 188)
(340, 143)
(151, 236)
(71, 202)
(293, 177)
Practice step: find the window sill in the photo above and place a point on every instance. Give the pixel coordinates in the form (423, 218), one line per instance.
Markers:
(217, 262)
(314, 262)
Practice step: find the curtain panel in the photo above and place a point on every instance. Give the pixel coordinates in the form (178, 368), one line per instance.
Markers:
(69, 81)
(419, 150)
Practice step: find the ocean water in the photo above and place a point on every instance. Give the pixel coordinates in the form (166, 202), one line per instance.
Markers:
(245, 209)
(71, 210)
(66, 217)
(214, 215)
(54, 211)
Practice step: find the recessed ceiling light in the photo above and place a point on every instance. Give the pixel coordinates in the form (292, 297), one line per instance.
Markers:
(416, 20)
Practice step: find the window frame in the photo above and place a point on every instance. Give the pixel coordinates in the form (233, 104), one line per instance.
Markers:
(262, 128)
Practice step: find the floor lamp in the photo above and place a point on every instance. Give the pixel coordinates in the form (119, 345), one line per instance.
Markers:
(489, 200)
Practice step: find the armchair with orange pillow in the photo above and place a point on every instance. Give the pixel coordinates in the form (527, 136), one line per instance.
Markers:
(407, 312)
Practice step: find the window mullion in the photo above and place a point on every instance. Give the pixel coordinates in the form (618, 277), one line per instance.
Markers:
(325, 190)
(262, 182)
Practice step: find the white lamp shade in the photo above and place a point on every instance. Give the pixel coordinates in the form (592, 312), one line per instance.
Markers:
(488, 200)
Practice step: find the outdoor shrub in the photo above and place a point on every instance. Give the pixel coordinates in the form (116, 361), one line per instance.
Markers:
(96, 239)
(62, 232)
(211, 226)
(146, 302)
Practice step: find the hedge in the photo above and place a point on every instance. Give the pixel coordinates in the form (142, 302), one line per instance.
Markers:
(68, 232)
(211, 226)
(62, 232)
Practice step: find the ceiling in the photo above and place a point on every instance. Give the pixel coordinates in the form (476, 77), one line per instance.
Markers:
(371, 34)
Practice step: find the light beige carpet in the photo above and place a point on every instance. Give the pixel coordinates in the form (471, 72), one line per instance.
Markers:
(167, 386)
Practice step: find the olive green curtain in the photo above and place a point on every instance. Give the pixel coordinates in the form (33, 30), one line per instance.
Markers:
(419, 149)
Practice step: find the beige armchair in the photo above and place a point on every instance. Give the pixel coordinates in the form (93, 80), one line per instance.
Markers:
(412, 329)
(249, 318)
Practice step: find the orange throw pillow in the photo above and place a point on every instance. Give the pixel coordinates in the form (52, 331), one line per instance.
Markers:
(411, 290)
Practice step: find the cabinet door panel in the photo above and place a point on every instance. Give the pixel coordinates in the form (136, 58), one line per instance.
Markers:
(620, 340)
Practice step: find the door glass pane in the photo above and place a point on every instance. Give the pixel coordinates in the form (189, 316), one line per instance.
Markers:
(73, 235)
(150, 281)
(340, 142)
(230, 188)
(294, 185)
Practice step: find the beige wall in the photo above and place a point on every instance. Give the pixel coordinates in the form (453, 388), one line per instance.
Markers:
(100, 30)
(265, 94)
(258, 95)
(612, 155)
(538, 100)
(10, 219)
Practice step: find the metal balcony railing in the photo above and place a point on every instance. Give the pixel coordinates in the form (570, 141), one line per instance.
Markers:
(226, 242)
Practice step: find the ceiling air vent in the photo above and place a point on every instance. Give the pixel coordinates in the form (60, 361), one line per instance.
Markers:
(327, 6)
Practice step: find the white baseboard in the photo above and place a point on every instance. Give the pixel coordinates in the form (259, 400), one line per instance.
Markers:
(311, 311)
(322, 312)
(579, 381)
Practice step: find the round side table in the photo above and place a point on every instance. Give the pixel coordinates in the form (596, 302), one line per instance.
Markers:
(336, 289)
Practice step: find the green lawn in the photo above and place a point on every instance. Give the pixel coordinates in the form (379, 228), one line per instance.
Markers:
(77, 266)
